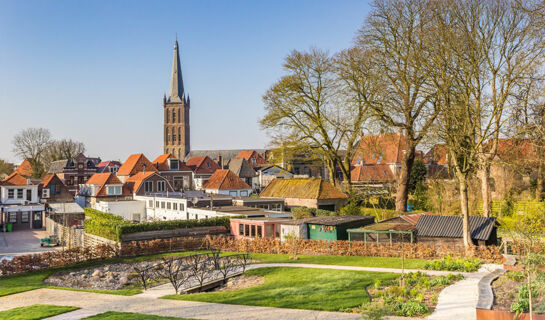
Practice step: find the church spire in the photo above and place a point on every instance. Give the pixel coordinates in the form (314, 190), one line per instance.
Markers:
(176, 82)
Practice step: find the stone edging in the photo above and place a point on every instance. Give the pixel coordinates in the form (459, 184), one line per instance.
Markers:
(486, 296)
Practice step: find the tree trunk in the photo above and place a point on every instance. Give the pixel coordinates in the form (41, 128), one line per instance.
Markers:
(402, 193)
(539, 178)
(484, 175)
(464, 204)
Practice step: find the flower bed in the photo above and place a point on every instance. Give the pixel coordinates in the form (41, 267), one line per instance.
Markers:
(417, 297)
(454, 264)
(511, 293)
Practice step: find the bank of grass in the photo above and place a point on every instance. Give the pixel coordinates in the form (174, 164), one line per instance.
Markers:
(34, 280)
(112, 315)
(34, 312)
(299, 288)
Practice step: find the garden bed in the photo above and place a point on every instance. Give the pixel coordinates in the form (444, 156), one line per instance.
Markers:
(511, 293)
(417, 297)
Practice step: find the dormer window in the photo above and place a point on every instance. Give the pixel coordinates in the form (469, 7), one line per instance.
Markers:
(113, 190)
(174, 164)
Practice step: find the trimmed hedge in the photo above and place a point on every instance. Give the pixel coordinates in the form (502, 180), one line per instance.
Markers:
(112, 227)
(173, 224)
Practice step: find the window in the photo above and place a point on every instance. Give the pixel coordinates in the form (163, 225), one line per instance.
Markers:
(175, 206)
(277, 228)
(233, 193)
(161, 186)
(247, 230)
(162, 204)
(179, 136)
(254, 161)
(168, 205)
(241, 229)
(174, 164)
(29, 195)
(243, 193)
(173, 115)
(208, 164)
(167, 115)
(156, 204)
(150, 203)
(25, 217)
(53, 189)
(253, 230)
(19, 193)
(11, 193)
(182, 207)
(148, 186)
(113, 190)
(259, 231)
(179, 115)
(12, 217)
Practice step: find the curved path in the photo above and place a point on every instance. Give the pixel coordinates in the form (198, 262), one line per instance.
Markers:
(94, 303)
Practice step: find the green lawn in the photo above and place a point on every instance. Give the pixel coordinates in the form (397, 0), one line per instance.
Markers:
(111, 315)
(34, 312)
(34, 280)
(299, 288)
(379, 262)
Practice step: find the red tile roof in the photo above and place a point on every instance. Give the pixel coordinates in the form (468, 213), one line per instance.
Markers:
(46, 180)
(103, 179)
(380, 149)
(161, 163)
(225, 179)
(134, 182)
(15, 179)
(134, 164)
(25, 169)
(372, 173)
(252, 154)
(202, 165)
(438, 154)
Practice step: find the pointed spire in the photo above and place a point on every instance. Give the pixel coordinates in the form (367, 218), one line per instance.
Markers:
(176, 82)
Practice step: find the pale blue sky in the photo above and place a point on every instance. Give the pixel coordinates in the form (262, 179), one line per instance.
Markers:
(96, 71)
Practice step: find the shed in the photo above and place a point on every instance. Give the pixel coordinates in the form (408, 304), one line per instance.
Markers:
(383, 232)
(333, 228)
(448, 230)
(250, 228)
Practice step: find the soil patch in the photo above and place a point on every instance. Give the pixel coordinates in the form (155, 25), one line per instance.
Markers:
(241, 282)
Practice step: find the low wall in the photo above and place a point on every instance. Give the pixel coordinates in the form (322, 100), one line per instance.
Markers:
(75, 237)
(484, 314)
(197, 232)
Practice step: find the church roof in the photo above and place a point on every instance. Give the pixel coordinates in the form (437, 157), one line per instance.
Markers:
(176, 93)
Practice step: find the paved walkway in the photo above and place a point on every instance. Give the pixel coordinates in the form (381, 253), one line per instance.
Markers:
(459, 300)
(22, 242)
(455, 302)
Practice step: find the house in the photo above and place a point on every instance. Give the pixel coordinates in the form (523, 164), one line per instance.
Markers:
(74, 172)
(102, 187)
(328, 228)
(52, 189)
(160, 207)
(243, 170)
(306, 192)
(221, 157)
(250, 228)
(135, 163)
(269, 173)
(377, 160)
(143, 183)
(254, 158)
(203, 167)
(25, 169)
(177, 172)
(437, 161)
(225, 182)
(447, 230)
(130, 210)
(108, 166)
(20, 205)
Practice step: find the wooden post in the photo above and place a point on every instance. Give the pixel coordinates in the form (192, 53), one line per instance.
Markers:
(390, 238)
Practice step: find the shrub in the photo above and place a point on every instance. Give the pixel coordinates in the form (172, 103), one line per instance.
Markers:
(103, 224)
(414, 308)
(173, 224)
(454, 264)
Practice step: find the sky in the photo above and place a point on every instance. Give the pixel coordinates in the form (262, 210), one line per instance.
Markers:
(96, 71)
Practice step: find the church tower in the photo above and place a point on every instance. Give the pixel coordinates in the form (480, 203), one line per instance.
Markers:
(176, 109)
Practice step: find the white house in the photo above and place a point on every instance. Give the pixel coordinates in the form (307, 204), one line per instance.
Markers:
(164, 207)
(20, 203)
(227, 183)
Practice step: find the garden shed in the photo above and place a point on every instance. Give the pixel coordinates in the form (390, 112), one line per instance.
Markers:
(384, 232)
(250, 228)
(333, 228)
(447, 230)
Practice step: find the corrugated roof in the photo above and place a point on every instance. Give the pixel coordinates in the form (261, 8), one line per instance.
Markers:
(331, 220)
(302, 188)
(451, 227)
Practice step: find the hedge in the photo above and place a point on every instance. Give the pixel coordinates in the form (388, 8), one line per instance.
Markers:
(112, 227)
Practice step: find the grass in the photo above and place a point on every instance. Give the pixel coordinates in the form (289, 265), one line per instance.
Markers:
(112, 315)
(34, 312)
(299, 288)
(31, 281)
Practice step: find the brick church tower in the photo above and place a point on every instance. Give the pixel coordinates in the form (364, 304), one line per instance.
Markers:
(176, 108)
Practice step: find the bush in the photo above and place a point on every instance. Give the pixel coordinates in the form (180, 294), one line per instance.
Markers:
(454, 264)
(173, 224)
(304, 212)
(414, 308)
(103, 224)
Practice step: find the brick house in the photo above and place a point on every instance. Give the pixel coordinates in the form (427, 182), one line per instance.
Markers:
(177, 172)
(254, 159)
(102, 186)
(145, 183)
(108, 166)
(306, 192)
(135, 163)
(52, 189)
(203, 167)
(74, 172)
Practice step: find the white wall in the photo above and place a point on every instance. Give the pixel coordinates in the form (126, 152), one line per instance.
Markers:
(164, 208)
(128, 209)
(202, 213)
(298, 230)
(233, 193)
(4, 194)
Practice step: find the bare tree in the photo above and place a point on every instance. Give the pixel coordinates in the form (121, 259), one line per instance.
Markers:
(392, 37)
(176, 271)
(31, 143)
(201, 267)
(6, 168)
(62, 149)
